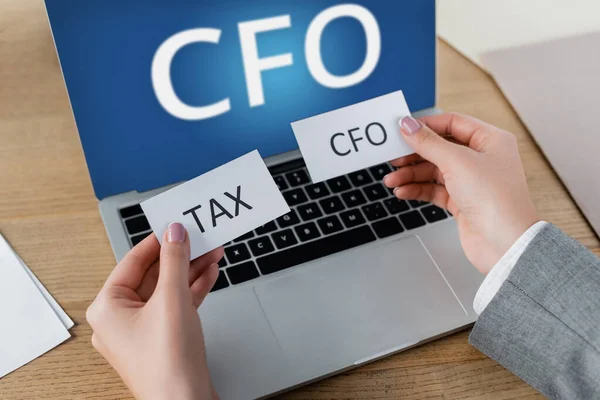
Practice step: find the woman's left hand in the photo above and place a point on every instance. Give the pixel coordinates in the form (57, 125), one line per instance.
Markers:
(145, 318)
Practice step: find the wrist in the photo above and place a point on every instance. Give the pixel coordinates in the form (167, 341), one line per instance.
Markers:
(176, 387)
(500, 272)
(506, 232)
(197, 387)
(184, 391)
(514, 226)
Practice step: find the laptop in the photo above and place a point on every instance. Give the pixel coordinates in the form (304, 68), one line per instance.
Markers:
(351, 274)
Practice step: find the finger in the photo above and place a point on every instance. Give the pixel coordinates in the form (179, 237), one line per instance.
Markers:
(132, 268)
(174, 260)
(148, 283)
(96, 342)
(429, 144)
(202, 286)
(197, 266)
(200, 264)
(465, 129)
(406, 160)
(423, 172)
(429, 192)
(416, 158)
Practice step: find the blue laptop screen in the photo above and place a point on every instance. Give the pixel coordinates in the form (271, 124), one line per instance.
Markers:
(165, 90)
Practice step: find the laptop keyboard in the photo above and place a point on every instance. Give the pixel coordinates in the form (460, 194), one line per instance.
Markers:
(325, 218)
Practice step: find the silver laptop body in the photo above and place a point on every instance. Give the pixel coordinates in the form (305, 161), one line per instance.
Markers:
(291, 327)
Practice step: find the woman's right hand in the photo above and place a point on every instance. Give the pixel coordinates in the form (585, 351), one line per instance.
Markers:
(472, 169)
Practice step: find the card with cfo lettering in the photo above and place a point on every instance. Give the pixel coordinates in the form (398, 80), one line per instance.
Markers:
(220, 205)
(352, 138)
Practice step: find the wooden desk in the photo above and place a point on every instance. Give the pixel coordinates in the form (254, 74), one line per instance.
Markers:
(49, 214)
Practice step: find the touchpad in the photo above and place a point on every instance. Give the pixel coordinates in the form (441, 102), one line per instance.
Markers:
(348, 307)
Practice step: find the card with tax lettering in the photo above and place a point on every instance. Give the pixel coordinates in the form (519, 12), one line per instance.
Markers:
(354, 137)
(220, 205)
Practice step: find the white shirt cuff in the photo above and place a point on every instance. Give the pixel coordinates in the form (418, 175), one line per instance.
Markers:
(499, 273)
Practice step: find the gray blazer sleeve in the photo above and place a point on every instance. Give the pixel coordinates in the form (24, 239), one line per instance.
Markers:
(544, 322)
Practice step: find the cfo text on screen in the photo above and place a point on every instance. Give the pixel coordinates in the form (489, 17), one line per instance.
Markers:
(254, 65)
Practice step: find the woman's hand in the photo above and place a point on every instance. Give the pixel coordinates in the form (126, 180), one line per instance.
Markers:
(472, 169)
(145, 318)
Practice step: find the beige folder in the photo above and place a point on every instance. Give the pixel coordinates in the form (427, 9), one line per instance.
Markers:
(475, 27)
(555, 88)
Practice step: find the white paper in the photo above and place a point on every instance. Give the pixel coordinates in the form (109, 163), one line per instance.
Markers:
(60, 313)
(261, 202)
(30, 327)
(353, 137)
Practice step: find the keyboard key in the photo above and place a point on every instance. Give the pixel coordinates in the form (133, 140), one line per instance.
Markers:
(376, 192)
(309, 211)
(416, 203)
(360, 178)
(295, 196)
(221, 282)
(353, 198)
(242, 272)
(330, 224)
(138, 238)
(352, 218)
(339, 184)
(395, 205)
(297, 178)
(307, 231)
(222, 262)
(244, 237)
(387, 227)
(281, 183)
(379, 171)
(131, 211)
(332, 205)
(237, 253)
(412, 220)
(266, 228)
(261, 246)
(316, 249)
(288, 219)
(284, 239)
(433, 213)
(317, 190)
(374, 211)
(137, 224)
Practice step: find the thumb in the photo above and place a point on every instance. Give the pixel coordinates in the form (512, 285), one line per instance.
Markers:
(427, 143)
(174, 260)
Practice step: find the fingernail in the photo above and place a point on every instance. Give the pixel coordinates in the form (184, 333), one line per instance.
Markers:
(395, 191)
(176, 233)
(409, 125)
(385, 178)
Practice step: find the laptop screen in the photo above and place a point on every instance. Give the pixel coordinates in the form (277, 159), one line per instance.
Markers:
(163, 91)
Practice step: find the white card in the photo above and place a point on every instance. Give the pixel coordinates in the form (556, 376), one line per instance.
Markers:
(220, 205)
(354, 137)
(30, 327)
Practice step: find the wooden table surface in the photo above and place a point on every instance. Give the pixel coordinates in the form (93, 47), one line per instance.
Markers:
(49, 214)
